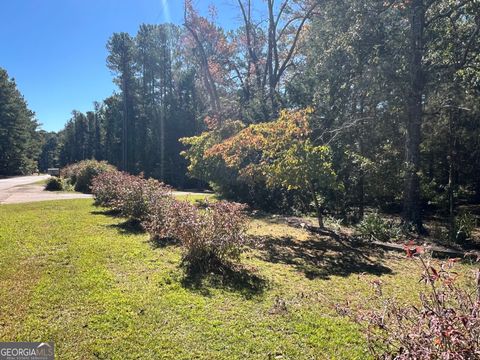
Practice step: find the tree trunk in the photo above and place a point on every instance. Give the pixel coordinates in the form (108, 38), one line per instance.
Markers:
(318, 208)
(124, 127)
(361, 181)
(361, 200)
(412, 205)
(452, 171)
(272, 57)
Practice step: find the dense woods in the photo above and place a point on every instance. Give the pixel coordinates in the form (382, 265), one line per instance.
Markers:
(313, 105)
(19, 139)
(137, 129)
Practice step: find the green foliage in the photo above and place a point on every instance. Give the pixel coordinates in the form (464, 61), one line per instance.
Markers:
(81, 174)
(49, 155)
(137, 129)
(19, 140)
(302, 166)
(54, 184)
(87, 171)
(433, 193)
(374, 227)
(226, 180)
(464, 225)
(279, 154)
(211, 169)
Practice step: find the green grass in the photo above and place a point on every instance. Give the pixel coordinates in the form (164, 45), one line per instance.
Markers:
(71, 274)
(195, 198)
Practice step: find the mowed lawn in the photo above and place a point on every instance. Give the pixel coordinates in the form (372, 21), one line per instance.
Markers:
(100, 289)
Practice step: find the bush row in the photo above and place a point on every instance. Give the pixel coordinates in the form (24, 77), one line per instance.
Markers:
(130, 195)
(209, 237)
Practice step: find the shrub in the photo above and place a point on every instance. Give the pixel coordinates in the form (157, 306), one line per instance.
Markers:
(464, 225)
(82, 173)
(446, 324)
(374, 227)
(136, 196)
(131, 195)
(54, 184)
(214, 236)
(166, 215)
(209, 237)
(69, 173)
(106, 188)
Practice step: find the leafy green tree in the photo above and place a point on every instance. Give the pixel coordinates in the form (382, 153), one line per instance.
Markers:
(154, 46)
(112, 118)
(279, 153)
(121, 60)
(49, 155)
(19, 140)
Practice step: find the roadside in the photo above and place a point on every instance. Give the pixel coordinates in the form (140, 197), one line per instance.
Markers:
(29, 189)
(24, 189)
(10, 182)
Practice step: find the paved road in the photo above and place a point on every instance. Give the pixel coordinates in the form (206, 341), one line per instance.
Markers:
(6, 184)
(22, 189)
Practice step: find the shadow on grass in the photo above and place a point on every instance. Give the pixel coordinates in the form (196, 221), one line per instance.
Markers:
(322, 257)
(160, 243)
(235, 278)
(107, 212)
(129, 227)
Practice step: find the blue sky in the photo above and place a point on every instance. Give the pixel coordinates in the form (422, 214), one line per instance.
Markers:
(55, 49)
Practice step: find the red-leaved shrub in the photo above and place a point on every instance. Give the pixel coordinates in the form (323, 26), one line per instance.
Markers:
(214, 236)
(209, 237)
(445, 325)
(106, 188)
(166, 216)
(131, 195)
(81, 174)
(137, 194)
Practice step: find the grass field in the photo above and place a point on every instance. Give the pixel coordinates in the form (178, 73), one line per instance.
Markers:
(99, 289)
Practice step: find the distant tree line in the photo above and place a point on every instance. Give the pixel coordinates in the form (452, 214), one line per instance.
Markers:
(137, 129)
(20, 141)
(392, 90)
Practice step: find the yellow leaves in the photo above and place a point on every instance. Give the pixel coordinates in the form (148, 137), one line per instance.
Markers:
(279, 152)
(279, 146)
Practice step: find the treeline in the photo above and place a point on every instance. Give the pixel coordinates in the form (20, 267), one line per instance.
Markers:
(137, 129)
(392, 89)
(19, 140)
